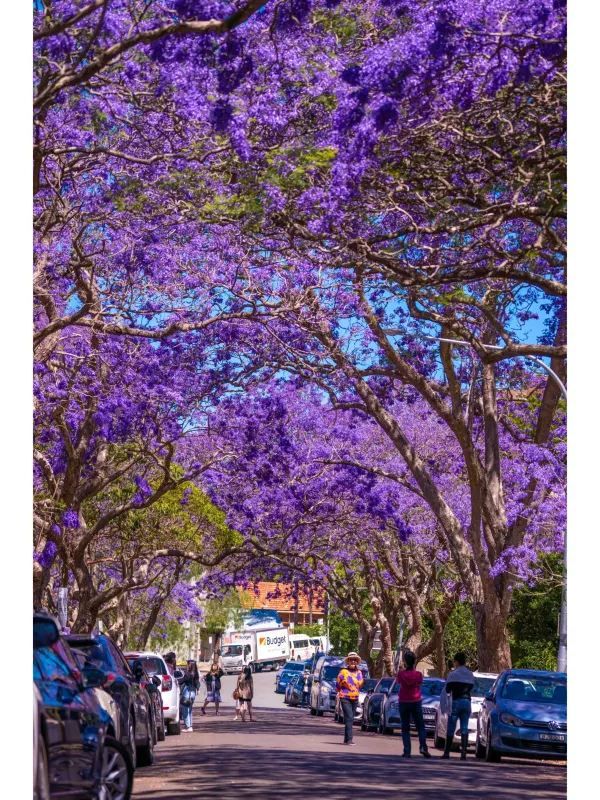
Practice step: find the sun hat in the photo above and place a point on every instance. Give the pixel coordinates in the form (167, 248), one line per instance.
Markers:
(352, 656)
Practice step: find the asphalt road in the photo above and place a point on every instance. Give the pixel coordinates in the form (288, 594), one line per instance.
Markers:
(288, 755)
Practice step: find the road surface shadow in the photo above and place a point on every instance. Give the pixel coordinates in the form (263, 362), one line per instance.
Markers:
(245, 773)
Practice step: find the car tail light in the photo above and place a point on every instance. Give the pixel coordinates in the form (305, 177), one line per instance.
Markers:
(167, 683)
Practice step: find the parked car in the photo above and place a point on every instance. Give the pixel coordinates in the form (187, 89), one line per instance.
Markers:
(483, 683)
(41, 777)
(323, 693)
(389, 717)
(431, 691)
(367, 688)
(524, 714)
(283, 677)
(297, 690)
(133, 701)
(155, 665)
(152, 684)
(76, 733)
(372, 704)
(288, 689)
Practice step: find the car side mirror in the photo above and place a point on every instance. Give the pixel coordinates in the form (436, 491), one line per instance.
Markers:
(489, 696)
(93, 677)
(156, 680)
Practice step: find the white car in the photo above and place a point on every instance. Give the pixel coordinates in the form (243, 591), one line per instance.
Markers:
(154, 664)
(483, 683)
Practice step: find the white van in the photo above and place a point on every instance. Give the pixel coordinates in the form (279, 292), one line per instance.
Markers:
(300, 647)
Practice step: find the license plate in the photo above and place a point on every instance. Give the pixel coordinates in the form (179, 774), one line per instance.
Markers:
(553, 737)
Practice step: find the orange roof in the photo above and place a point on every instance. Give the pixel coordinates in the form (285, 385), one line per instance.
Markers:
(278, 596)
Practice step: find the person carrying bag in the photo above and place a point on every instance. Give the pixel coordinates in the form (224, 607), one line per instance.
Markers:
(190, 683)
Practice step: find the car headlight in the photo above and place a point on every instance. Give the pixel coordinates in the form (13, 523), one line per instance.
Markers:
(510, 719)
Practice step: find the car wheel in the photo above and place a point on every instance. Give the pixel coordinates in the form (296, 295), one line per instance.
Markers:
(145, 754)
(161, 728)
(490, 754)
(41, 790)
(363, 727)
(131, 741)
(479, 748)
(313, 712)
(116, 776)
(438, 742)
(319, 713)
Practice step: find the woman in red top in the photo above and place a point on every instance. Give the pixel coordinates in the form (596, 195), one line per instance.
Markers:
(410, 680)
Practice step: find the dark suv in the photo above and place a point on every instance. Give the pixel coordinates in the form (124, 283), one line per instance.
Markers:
(133, 701)
(76, 725)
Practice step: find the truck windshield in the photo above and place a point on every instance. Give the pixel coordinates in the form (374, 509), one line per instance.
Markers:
(232, 650)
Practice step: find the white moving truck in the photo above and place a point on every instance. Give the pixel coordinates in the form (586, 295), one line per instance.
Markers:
(266, 649)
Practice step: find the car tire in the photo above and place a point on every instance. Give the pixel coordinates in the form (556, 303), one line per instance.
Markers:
(438, 742)
(364, 728)
(41, 790)
(160, 733)
(145, 753)
(479, 749)
(319, 713)
(173, 727)
(491, 755)
(131, 741)
(313, 712)
(116, 771)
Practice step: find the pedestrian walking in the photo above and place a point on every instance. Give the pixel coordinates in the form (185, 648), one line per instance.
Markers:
(348, 685)
(245, 692)
(457, 700)
(410, 703)
(217, 659)
(213, 687)
(190, 683)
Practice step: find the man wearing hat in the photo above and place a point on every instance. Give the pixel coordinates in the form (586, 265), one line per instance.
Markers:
(348, 685)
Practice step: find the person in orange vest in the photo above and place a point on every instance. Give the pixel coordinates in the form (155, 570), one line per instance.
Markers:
(348, 685)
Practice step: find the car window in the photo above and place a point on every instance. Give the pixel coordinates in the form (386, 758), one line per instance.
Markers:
(432, 688)
(395, 688)
(118, 657)
(535, 689)
(97, 655)
(481, 686)
(49, 666)
(152, 664)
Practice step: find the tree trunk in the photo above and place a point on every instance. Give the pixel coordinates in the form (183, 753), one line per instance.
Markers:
(493, 646)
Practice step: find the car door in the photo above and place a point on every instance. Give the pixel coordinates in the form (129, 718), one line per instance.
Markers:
(71, 725)
(139, 696)
(487, 706)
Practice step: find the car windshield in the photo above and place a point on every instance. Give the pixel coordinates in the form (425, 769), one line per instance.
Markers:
(151, 664)
(369, 685)
(482, 686)
(536, 689)
(330, 672)
(232, 650)
(294, 666)
(432, 688)
(384, 683)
